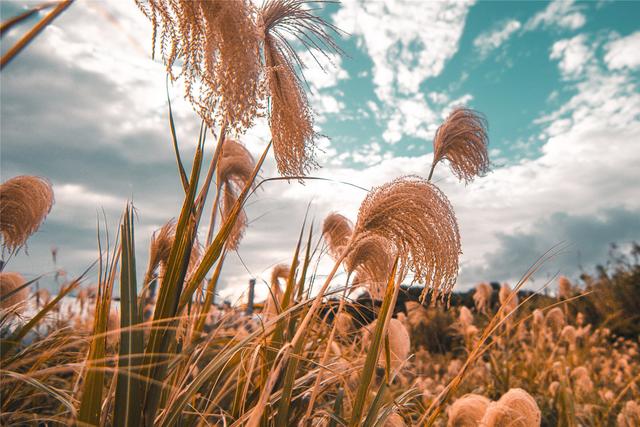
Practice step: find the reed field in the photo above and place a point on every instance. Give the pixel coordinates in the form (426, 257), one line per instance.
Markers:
(392, 342)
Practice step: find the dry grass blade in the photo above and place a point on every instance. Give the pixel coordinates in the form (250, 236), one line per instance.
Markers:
(462, 140)
(25, 201)
(418, 220)
(376, 345)
(33, 32)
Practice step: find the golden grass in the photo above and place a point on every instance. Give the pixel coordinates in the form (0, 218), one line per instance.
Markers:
(177, 359)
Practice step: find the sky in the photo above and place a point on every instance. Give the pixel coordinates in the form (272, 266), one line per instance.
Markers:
(85, 105)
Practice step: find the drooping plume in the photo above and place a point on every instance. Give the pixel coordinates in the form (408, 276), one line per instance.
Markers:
(467, 411)
(291, 118)
(274, 299)
(371, 257)
(216, 45)
(25, 202)
(160, 250)
(235, 169)
(482, 296)
(462, 140)
(337, 230)
(418, 220)
(516, 408)
(399, 343)
(9, 282)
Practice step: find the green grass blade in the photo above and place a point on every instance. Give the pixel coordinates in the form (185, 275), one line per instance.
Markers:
(372, 413)
(374, 351)
(213, 252)
(127, 408)
(174, 140)
(91, 402)
(169, 294)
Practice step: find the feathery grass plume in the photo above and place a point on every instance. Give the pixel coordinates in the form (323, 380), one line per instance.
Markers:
(569, 335)
(581, 381)
(43, 297)
(516, 408)
(371, 257)
(25, 202)
(417, 218)
(394, 420)
(399, 343)
(291, 118)
(555, 319)
(508, 298)
(274, 299)
(462, 140)
(337, 230)
(564, 288)
(467, 411)
(235, 169)
(9, 282)
(629, 416)
(216, 44)
(160, 246)
(465, 318)
(482, 296)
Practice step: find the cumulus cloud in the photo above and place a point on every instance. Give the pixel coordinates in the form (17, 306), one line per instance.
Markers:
(624, 52)
(491, 40)
(100, 133)
(561, 14)
(573, 53)
(408, 42)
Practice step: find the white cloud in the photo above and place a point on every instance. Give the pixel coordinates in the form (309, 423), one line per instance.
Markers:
(573, 53)
(408, 41)
(564, 14)
(623, 52)
(493, 39)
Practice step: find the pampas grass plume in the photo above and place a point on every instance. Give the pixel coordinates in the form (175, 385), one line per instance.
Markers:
(482, 296)
(462, 139)
(516, 408)
(9, 282)
(417, 218)
(25, 202)
(337, 230)
(467, 411)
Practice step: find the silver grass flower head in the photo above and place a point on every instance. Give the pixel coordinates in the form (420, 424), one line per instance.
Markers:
(337, 230)
(25, 201)
(467, 411)
(291, 118)
(10, 282)
(462, 140)
(418, 220)
(216, 45)
(516, 408)
(371, 257)
(482, 296)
